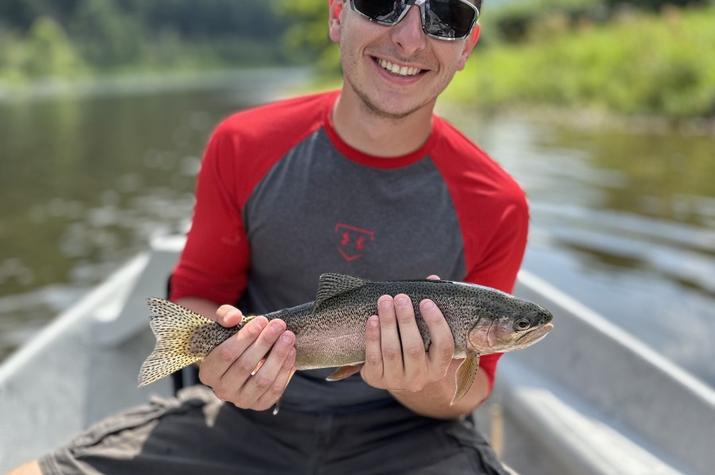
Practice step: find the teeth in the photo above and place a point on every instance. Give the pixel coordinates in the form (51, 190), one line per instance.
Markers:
(395, 69)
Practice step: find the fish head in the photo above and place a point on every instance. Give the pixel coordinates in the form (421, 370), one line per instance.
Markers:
(513, 326)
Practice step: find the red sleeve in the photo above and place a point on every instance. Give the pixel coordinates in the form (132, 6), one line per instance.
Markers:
(501, 262)
(493, 215)
(215, 260)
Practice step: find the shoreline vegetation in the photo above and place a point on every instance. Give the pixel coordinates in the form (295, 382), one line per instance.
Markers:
(637, 65)
(649, 63)
(151, 81)
(45, 41)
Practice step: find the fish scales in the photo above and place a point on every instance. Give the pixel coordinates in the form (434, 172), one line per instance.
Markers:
(330, 332)
(334, 333)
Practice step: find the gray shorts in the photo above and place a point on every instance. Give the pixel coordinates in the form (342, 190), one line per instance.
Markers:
(198, 434)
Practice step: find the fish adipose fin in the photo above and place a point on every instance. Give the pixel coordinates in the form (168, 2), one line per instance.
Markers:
(344, 372)
(336, 284)
(466, 373)
(173, 327)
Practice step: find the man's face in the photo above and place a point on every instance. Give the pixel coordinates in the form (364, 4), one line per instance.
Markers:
(370, 53)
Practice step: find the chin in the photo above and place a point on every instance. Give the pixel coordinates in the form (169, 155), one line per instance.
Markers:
(389, 109)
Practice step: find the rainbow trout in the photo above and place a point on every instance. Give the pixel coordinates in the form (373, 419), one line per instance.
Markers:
(330, 331)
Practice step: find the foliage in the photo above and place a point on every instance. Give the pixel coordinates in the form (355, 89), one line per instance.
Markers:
(105, 35)
(522, 20)
(307, 35)
(46, 51)
(641, 64)
(516, 21)
(129, 34)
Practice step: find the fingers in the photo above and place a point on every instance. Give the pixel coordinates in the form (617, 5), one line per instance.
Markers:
(413, 348)
(433, 277)
(242, 368)
(263, 380)
(372, 370)
(228, 316)
(249, 367)
(389, 339)
(221, 358)
(441, 350)
(275, 391)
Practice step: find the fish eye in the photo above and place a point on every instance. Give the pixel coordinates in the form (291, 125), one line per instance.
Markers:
(522, 324)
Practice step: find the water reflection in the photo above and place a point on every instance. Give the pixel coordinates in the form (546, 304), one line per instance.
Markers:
(86, 179)
(624, 222)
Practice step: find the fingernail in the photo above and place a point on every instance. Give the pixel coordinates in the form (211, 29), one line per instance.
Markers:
(373, 321)
(427, 304)
(235, 317)
(287, 337)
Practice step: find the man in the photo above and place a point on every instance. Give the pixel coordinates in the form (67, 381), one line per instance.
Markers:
(366, 182)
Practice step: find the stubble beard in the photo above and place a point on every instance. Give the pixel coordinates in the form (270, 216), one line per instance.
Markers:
(375, 109)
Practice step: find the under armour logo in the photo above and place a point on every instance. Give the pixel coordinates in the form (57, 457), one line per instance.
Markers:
(352, 241)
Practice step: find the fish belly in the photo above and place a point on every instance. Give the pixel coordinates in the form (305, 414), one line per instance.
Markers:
(332, 336)
(329, 351)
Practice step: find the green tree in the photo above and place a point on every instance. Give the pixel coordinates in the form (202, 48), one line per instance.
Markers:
(105, 34)
(48, 51)
(307, 36)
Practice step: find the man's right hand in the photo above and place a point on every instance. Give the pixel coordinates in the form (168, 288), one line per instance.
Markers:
(252, 368)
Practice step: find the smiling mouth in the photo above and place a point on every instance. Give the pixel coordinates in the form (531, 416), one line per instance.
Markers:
(397, 70)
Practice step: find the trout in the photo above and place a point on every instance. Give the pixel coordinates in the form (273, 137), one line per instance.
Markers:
(330, 332)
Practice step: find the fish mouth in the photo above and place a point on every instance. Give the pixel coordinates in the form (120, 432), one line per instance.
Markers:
(534, 335)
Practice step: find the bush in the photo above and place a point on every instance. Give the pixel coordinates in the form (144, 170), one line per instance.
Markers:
(642, 64)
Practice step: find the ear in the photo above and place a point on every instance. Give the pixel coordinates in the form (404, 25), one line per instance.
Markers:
(469, 45)
(335, 10)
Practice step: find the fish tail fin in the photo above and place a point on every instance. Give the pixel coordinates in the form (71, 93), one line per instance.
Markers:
(173, 326)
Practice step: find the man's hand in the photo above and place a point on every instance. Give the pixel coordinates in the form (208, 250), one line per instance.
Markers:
(395, 356)
(252, 368)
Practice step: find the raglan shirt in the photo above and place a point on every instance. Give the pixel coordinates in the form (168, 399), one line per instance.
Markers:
(281, 199)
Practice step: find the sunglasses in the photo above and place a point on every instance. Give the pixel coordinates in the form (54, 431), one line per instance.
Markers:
(447, 20)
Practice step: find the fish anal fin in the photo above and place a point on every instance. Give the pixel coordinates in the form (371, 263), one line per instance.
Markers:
(466, 374)
(335, 284)
(344, 372)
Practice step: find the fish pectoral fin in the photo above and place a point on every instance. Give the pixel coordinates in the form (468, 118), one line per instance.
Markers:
(344, 372)
(466, 374)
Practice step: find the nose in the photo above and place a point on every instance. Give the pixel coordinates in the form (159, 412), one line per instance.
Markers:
(408, 34)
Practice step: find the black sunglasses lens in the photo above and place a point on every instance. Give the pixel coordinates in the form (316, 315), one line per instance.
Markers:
(449, 18)
(383, 11)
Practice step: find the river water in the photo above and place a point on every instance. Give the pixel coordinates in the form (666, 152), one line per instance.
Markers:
(623, 221)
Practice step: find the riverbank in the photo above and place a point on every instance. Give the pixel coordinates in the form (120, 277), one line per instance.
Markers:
(148, 82)
(639, 65)
(582, 118)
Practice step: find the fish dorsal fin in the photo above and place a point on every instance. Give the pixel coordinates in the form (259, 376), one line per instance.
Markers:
(336, 284)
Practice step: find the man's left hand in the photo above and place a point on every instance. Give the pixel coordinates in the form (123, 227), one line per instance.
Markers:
(395, 356)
